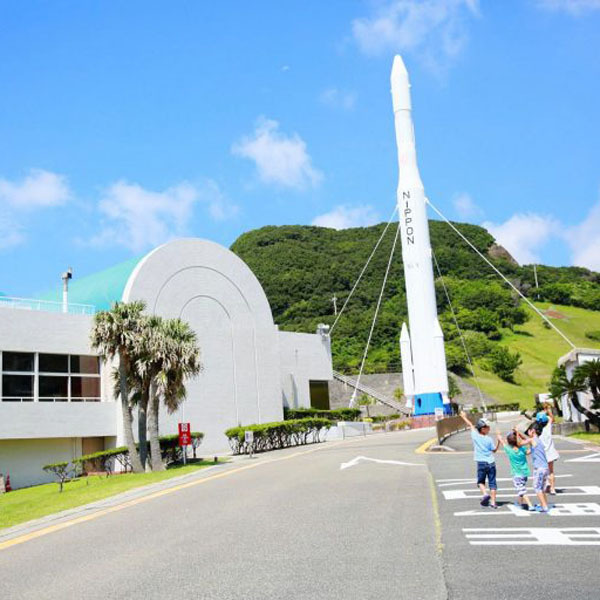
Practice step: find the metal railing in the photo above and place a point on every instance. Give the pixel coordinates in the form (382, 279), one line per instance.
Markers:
(382, 398)
(46, 305)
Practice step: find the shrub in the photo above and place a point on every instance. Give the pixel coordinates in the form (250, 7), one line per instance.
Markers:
(61, 471)
(383, 418)
(340, 414)
(504, 363)
(593, 335)
(279, 434)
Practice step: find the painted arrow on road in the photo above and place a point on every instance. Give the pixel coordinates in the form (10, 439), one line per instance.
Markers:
(356, 460)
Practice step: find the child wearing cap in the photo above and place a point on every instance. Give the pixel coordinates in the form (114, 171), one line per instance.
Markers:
(483, 454)
(540, 463)
(546, 419)
(519, 469)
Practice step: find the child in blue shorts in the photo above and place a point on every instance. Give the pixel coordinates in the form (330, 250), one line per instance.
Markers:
(483, 454)
(540, 463)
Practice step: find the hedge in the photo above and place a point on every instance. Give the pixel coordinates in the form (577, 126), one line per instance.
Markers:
(279, 434)
(383, 418)
(340, 414)
(169, 449)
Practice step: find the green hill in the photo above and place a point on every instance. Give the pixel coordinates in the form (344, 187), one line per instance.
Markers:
(302, 267)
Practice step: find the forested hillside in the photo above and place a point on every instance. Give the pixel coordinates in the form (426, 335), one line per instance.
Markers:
(302, 267)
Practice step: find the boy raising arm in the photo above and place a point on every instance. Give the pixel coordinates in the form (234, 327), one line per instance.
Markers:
(483, 454)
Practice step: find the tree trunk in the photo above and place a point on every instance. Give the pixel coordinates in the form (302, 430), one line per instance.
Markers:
(592, 417)
(142, 424)
(154, 404)
(134, 457)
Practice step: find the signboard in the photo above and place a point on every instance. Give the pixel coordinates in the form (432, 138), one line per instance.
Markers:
(439, 413)
(185, 434)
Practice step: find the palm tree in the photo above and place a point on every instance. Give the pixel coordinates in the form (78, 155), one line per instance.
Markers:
(561, 385)
(178, 354)
(115, 333)
(145, 368)
(590, 372)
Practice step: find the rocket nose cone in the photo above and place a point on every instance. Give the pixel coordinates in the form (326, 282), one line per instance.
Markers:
(400, 85)
(398, 67)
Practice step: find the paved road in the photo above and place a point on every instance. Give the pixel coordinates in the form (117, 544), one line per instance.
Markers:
(293, 524)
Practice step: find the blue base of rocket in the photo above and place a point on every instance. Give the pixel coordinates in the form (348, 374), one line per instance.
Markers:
(425, 404)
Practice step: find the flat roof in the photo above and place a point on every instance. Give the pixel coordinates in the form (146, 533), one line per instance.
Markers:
(572, 356)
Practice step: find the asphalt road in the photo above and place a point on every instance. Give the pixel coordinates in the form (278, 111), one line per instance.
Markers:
(294, 524)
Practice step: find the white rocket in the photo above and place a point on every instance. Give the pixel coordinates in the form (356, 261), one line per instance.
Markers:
(423, 357)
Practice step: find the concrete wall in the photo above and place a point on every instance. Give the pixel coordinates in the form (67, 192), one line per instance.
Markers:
(218, 295)
(303, 357)
(24, 459)
(29, 420)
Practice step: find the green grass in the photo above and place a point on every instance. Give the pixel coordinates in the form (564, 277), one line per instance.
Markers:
(588, 437)
(540, 349)
(41, 500)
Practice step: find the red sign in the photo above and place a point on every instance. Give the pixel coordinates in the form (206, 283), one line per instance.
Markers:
(185, 434)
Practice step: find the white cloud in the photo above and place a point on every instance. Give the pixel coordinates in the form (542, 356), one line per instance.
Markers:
(138, 218)
(344, 217)
(465, 207)
(435, 30)
(524, 234)
(584, 240)
(572, 7)
(337, 98)
(39, 189)
(280, 159)
(20, 201)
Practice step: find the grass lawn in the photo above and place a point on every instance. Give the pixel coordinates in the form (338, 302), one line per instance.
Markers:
(41, 500)
(588, 437)
(540, 349)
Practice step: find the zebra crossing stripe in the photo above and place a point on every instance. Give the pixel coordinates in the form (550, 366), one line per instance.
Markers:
(580, 509)
(584, 490)
(534, 536)
(595, 457)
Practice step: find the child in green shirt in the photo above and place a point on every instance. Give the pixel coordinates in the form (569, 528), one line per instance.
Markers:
(519, 469)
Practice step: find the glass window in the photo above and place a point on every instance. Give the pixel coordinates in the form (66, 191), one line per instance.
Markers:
(17, 361)
(85, 364)
(54, 363)
(53, 388)
(85, 387)
(17, 387)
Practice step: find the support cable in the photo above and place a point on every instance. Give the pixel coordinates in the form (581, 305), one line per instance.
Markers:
(385, 277)
(535, 308)
(460, 333)
(363, 270)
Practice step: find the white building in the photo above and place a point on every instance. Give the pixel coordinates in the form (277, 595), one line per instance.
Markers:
(577, 356)
(57, 400)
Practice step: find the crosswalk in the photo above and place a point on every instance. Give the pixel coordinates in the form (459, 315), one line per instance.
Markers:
(578, 502)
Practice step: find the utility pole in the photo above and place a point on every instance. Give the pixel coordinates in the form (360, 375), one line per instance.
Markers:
(537, 286)
(334, 300)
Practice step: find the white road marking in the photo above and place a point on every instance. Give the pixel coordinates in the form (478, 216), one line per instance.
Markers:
(448, 482)
(589, 458)
(585, 490)
(356, 460)
(535, 536)
(582, 509)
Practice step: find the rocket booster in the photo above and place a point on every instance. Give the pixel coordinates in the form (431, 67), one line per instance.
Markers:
(423, 356)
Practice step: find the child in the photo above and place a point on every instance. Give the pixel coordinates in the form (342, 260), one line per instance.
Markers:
(540, 463)
(483, 453)
(519, 469)
(546, 419)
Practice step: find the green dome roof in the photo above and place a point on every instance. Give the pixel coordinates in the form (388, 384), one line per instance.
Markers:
(99, 289)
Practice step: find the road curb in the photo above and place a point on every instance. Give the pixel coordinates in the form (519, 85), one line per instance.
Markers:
(423, 448)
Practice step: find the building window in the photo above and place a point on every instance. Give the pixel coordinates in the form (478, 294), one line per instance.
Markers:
(18, 361)
(28, 377)
(17, 388)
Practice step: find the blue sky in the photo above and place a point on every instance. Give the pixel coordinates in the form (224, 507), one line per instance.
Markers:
(123, 125)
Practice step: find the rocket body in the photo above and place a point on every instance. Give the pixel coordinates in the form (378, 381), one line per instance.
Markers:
(424, 371)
